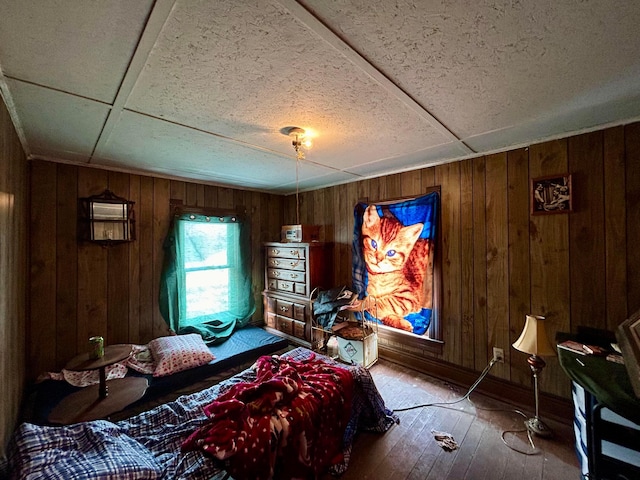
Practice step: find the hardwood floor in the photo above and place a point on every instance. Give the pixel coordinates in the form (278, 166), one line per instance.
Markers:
(409, 451)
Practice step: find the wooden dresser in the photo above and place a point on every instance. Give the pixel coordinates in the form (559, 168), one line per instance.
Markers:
(292, 271)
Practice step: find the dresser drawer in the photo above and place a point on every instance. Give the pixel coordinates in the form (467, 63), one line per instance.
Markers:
(298, 329)
(271, 320)
(286, 252)
(289, 264)
(284, 308)
(299, 312)
(300, 289)
(285, 325)
(285, 286)
(290, 275)
(289, 287)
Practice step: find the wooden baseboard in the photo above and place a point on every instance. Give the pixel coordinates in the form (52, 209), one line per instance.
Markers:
(552, 407)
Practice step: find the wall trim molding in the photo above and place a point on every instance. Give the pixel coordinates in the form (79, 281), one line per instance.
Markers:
(552, 407)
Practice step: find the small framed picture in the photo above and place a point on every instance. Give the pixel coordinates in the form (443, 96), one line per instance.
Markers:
(551, 194)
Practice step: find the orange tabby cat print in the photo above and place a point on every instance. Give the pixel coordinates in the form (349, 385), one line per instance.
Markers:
(396, 259)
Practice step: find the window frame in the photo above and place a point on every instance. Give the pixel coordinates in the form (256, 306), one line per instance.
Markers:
(232, 262)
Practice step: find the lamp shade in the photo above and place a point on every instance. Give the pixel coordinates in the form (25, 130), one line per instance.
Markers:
(533, 339)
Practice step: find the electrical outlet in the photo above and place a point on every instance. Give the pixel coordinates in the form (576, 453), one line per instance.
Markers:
(498, 354)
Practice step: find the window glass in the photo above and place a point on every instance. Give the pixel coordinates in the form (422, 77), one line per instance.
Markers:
(209, 264)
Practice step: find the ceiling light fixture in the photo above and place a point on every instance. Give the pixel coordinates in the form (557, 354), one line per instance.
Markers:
(300, 141)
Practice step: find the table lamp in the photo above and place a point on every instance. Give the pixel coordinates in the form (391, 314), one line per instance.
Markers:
(533, 340)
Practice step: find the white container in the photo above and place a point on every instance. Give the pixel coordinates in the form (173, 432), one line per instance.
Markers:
(364, 352)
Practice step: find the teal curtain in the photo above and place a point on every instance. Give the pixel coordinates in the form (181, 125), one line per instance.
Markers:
(205, 286)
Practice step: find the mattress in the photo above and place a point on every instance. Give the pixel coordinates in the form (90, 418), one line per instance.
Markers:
(231, 356)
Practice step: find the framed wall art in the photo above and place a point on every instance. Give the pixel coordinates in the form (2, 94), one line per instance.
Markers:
(551, 194)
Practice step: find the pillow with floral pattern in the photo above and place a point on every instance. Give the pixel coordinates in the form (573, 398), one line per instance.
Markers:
(178, 352)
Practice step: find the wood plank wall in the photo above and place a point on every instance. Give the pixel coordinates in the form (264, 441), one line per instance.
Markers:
(79, 289)
(13, 276)
(500, 262)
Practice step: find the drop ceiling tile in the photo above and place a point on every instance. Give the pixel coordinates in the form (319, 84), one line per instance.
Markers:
(315, 176)
(74, 46)
(484, 66)
(56, 124)
(558, 123)
(423, 158)
(247, 69)
(154, 145)
(231, 75)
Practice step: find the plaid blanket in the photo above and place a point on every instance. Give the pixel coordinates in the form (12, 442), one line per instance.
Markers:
(148, 446)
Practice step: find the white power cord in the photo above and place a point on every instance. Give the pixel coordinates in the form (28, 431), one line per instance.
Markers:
(484, 373)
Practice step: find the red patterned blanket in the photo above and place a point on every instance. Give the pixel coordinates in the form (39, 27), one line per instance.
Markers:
(288, 423)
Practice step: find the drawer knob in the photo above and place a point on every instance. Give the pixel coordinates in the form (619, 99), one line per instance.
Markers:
(275, 251)
(295, 253)
(283, 309)
(276, 274)
(293, 275)
(275, 262)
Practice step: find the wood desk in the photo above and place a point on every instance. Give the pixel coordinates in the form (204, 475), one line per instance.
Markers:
(607, 414)
(98, 401)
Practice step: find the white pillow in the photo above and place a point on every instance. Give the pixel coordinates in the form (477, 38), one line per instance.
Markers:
(179, 352)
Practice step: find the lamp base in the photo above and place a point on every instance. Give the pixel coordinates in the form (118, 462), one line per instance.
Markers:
(538, 427)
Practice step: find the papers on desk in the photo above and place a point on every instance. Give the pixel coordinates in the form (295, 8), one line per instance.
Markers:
(588, 349)
(582, 348)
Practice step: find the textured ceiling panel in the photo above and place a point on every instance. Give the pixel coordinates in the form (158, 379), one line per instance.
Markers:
(79, 46)
(58, 125)
(320, 179)
(379, 166)
(575, 116)
(483, 66)
(201, 89)
(247, 69)
(149, 144)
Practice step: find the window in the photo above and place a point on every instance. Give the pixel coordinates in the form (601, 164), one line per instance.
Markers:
(210, 259)
(206, 284)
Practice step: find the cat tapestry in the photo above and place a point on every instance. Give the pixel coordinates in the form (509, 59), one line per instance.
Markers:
(393, 251)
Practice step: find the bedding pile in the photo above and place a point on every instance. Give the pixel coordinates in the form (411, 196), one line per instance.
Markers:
(150, 445)
(288, 423)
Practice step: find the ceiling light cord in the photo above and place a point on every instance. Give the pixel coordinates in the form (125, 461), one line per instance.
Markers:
(297, 192)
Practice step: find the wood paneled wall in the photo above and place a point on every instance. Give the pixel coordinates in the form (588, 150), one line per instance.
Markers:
(80, 289)
(498, 261)
(13, 276)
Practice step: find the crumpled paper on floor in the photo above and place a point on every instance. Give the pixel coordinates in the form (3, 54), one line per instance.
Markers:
(445, 440)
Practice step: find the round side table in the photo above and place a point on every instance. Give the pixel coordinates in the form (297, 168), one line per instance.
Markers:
(98, 401)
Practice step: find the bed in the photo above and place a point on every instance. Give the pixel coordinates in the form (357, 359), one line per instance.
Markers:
(174, 440)
(230, 357)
